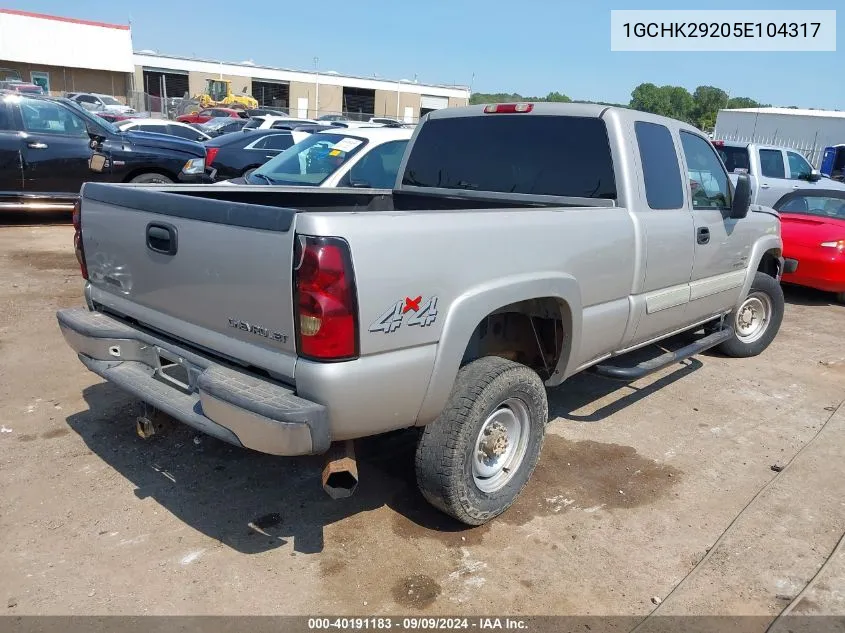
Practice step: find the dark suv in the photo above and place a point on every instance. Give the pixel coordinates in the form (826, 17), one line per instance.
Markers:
(50, 146)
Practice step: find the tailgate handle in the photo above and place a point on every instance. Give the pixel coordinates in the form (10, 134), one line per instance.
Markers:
(161, 238)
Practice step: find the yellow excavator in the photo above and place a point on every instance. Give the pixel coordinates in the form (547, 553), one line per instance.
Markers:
(218, 92)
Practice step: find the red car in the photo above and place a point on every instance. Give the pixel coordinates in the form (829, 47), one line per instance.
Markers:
(209, 113)
(813, 230)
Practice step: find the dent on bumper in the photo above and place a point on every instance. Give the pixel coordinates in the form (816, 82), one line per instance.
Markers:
(231, 405)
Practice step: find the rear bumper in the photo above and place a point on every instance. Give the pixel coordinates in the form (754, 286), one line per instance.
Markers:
(817, 267)
(232, 405)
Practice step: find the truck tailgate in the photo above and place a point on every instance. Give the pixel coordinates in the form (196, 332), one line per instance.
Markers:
(213, 273)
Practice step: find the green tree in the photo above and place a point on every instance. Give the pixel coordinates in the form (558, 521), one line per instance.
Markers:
(743, 102)
(681, 103)
(650, 98)
(557, 97)
(708, 101)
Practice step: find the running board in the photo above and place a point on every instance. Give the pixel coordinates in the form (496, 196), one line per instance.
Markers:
(664, 360)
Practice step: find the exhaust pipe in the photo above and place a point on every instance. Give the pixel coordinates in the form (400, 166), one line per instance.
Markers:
(340, 473)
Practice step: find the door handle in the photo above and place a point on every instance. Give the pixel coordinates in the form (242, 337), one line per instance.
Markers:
(764, 186)
(36, 145)
(161, 238)
(796, 187)
(702, 236)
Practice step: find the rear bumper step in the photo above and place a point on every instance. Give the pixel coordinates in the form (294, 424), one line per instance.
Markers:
(664, 360)
(228, 404)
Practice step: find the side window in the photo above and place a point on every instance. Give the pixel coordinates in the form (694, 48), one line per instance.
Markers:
(86, 99)
(46, 117)
(771, 163)
(708, 181)
(5, 118)
(184, 132)
(663, 188)
(158, 129)
(378, 168)
(799, 168)
(277, 141)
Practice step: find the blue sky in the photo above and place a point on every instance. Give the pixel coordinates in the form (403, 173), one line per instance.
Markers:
(526, 46)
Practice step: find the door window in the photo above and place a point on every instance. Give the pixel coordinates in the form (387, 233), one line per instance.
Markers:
(771, 163)
(47, 117)
(276, 142)
(5, 118)
(708, 181)
(799, 168)
(185, 132)
(378, 169)
(662, 176)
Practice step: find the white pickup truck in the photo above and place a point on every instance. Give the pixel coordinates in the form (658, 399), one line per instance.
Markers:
(773, 171)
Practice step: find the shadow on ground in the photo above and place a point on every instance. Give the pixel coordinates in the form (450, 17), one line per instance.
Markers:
(247, 500)
(799, 295)
(253, 502)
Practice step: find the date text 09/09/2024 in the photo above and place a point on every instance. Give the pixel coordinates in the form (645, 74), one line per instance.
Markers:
(417, 624)
(722, 29)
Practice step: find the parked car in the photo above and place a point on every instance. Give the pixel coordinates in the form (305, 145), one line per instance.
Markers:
(114, 117)
(337, 158)
(20, 87)
(46, 153)
(233, 155)
(523, 243)
(163, 126)
(773, 171)
(383, 120)
(266, 122)
(813, 231)
(332, 117)
(251, 112)
(221, 125)
(101, 103)
(833, 162)
(210, 113)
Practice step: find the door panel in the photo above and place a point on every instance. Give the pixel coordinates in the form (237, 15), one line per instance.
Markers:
(722, 245)
(11, 174)
(54, 149)
(773, 177)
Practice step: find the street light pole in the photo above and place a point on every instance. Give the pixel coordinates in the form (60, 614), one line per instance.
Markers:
(316, 88)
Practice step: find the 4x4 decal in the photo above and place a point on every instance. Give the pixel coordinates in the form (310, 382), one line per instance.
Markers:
(421, 314)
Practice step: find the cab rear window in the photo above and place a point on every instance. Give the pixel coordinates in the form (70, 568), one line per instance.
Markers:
(514, 153)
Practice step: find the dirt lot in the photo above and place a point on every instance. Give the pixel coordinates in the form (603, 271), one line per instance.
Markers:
(662, 489)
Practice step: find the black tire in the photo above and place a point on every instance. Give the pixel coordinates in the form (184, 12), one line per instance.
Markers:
(152, 178)
(447, 446)
(763, 287)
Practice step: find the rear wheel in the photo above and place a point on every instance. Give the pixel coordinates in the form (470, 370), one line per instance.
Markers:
(476, 457)
(152, 178)
(757, 320)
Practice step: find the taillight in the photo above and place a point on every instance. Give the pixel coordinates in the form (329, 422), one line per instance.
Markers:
(718, 143)
(210, 155)
(508, 108)
(77, 238)
(327, 313)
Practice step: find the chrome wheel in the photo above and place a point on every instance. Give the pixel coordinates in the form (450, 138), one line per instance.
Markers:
(753, 317)
(500, 445)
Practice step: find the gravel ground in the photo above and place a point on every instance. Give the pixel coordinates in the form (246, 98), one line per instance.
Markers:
(657, 492)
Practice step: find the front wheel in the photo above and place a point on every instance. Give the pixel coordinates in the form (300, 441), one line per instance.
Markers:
(152, 178)
(476, 457)
(757, 320)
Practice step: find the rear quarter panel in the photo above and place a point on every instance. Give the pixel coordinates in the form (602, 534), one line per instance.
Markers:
(473, 262)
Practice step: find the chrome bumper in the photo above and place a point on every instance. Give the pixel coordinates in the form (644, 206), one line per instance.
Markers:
(229, 404)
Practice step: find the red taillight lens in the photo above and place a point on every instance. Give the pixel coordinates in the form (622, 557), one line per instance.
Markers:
(210, 155)
(325, 298)
(718, 143)
(508, 108)
(77, 238)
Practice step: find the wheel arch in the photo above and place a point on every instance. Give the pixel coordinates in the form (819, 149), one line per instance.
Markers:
(150, 169)
(763, 251)
(469, 310)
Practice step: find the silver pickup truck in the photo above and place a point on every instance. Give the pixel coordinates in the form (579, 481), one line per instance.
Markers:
(522, 243)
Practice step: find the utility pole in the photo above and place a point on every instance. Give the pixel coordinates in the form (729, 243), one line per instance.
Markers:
(316, 87)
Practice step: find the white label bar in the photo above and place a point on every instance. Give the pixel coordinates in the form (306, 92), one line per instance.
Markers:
(723, 30)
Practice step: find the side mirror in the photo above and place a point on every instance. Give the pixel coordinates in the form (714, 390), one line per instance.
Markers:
(742, 197)
(814, 176)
